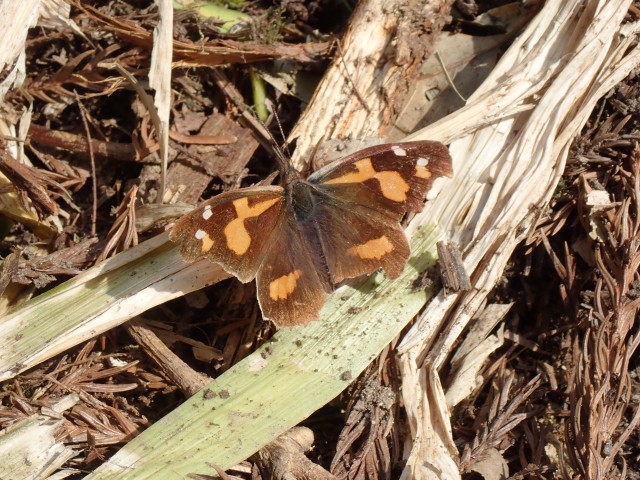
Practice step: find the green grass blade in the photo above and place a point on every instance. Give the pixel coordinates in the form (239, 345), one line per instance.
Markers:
(97, 300)
(290, 377)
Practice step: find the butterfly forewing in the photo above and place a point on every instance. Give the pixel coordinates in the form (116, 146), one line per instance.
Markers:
(233, 229)
(292, 284)
(391, 179)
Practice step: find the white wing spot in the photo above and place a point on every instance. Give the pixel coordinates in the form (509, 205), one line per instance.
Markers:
(399, 151)
(200, 234)
(422, 162)
(206, 213)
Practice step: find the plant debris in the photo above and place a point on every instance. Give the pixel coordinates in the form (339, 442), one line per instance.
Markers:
(558, 400)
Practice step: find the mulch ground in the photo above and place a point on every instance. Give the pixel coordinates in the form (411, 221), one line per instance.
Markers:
(573, 314)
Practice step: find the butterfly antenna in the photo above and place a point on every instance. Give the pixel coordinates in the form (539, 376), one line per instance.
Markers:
(284, 138)
(263, 135)
(284, 164)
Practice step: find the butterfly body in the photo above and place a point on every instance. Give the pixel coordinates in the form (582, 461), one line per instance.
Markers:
(302, 197)
(300, 239)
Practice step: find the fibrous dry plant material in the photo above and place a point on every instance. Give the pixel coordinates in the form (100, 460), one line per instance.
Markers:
(510, 143)
(504, 414)
(284, 458)
(213, 53)
(122, 235)
(32, 185)
(516, 132)
(369, 445)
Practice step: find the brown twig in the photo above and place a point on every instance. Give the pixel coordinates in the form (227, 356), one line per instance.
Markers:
(94, 181)
(29, 183)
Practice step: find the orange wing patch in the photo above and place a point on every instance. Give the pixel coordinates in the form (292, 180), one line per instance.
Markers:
(205, 239)
(282, 287)
(238, 239)
(421, 168)
(376, 248)
(392, 184)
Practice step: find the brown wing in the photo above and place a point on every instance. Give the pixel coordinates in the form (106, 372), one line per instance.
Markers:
(391, 179)
(360, 200)
(292, 282)
(234, 229)
(356, 244)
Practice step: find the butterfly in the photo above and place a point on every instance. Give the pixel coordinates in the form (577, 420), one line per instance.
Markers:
(300, 239)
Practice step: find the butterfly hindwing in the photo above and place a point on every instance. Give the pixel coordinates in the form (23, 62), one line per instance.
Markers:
(356, 242)
(391, 179)
(292, 282)
(234, 229)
